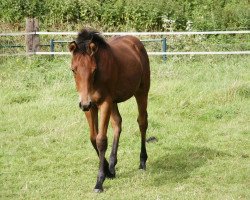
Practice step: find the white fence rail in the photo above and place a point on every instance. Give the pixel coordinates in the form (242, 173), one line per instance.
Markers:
(149, 53)
(129, 33)
(135, 34)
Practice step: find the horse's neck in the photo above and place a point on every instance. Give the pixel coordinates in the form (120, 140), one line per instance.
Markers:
(105, 58)
(106, 66)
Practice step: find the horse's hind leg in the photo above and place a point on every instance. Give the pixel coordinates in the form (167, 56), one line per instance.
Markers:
(142, 100)
(116, 122)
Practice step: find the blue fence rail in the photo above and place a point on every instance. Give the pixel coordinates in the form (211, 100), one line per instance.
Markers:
(163, 43)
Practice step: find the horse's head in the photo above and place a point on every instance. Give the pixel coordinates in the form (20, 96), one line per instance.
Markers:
(83, 66)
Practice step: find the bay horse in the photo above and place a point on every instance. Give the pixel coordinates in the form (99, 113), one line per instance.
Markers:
(108, 72)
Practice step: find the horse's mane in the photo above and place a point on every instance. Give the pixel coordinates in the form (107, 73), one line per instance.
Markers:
(85, 36)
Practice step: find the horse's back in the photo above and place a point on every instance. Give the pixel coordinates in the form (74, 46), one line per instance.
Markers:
(130, 51)
(133, 66)
(129, 46)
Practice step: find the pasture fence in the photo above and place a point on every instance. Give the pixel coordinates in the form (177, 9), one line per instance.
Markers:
(165, 51)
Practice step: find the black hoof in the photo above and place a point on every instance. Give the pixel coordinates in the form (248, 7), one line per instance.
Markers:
(110, 175)
(142, 167)
(111, 172)
(98, 190)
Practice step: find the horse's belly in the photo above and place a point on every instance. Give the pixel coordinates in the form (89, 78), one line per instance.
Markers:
(126, 88)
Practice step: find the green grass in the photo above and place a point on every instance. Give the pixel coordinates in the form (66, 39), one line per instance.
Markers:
(198, 109)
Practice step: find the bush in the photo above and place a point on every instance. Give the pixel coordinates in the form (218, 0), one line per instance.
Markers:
(136, 15)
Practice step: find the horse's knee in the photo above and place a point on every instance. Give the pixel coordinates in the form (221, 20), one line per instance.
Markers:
(92, 139)
(101, 142)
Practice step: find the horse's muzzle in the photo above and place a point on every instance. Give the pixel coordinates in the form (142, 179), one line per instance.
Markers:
(85, 107)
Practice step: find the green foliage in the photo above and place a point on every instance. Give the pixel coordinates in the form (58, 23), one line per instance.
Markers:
(131, 14)
(15, 10)
(212, 15)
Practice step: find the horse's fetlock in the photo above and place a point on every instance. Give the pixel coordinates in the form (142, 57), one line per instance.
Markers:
(143, 157)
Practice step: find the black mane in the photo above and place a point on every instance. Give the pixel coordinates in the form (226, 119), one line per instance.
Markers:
(86, 36)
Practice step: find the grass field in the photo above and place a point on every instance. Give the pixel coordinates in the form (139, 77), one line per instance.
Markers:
(199, 109)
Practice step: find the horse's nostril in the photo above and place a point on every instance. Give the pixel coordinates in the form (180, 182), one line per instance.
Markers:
(85, 107)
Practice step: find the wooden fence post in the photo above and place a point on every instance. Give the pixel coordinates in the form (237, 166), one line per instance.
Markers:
(32, 41)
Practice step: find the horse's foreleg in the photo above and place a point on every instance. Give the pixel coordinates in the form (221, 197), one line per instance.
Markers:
(92, 117)
(116, 122)
(101, 143)
(143, 125)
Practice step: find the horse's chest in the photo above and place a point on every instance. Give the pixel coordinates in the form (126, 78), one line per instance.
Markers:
(97, 96)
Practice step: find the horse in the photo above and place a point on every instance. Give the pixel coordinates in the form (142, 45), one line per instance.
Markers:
(108, 72)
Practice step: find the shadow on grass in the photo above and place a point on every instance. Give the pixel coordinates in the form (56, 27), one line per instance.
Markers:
(178, 165)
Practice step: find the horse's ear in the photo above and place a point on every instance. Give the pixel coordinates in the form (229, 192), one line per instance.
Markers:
(92, 48)
(72, 46)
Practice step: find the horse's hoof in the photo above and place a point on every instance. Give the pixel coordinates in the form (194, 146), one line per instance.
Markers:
(98, 190)
(142, 167)
(110, 176)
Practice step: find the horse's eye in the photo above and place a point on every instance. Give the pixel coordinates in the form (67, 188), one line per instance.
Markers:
(94, 74)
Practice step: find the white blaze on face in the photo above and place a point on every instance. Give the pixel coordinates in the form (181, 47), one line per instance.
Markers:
(84, 100)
